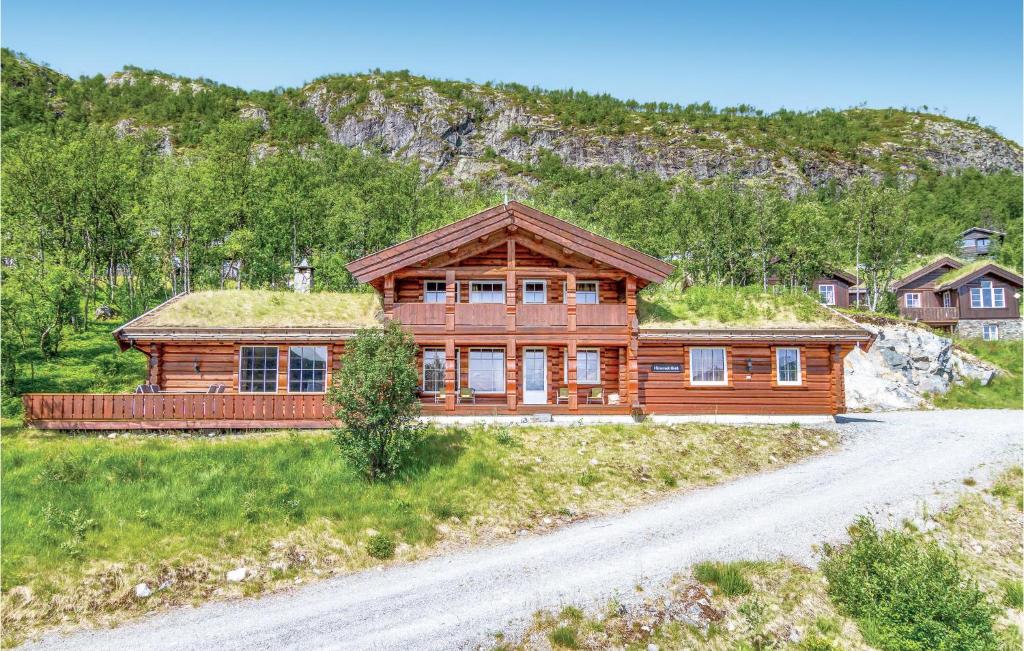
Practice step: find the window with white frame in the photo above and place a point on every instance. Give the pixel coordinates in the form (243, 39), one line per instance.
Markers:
(485, 291)
(434, 291)
(535, 291)
(307, 369)
(586, 293)
(707, 366)
(912, 299)
(947, 299)
(487, 370)
(827, 293)
(990, 332)
(588, 366)
(987, 296)
(257, 372)
(787, 366)
(433, 370)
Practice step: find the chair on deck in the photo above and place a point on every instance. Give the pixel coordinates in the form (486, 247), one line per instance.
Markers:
(147, 388)
(467, 395)
(563, 395)
(216, 388)
(596, 395)
(440, 396)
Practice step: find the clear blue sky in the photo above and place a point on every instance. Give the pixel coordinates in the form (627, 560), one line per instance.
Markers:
(960, 58)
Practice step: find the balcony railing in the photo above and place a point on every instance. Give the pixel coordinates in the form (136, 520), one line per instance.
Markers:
(420, 314)
(610, 314)
(479, 314)
(535, 316)
(930, 314)
(175, 410)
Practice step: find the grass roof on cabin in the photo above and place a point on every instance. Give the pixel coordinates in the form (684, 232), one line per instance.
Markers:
(706, 307)
(967, 269)
(259, 308)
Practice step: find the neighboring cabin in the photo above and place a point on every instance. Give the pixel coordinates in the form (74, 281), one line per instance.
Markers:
(977, 299)
(834, 288)
(514, 312)
(980, 242)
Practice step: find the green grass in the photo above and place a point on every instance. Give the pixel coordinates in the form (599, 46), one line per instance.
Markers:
(1005, 391)
(89, 362)
(265, 308)
(708, 307)
(727, 577)
(968, 269)
(86, 518)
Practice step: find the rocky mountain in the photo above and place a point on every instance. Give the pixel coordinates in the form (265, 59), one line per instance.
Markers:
(495, 133)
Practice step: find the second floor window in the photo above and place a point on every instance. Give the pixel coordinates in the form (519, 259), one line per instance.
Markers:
(586, 293)
(486, 292)
(987, 296)
(827, 294)
(535, 291)
(434, 291)
(913, 300)
(947, 300)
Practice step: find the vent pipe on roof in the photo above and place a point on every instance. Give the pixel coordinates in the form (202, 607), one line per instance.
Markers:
(302, 282)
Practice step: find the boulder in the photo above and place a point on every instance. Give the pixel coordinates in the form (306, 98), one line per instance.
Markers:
(905, 366)
(238, 574)
(142, 591)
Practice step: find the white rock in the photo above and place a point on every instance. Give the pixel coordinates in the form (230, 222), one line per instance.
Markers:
(142, 591)
(652, 647)
(238, 574)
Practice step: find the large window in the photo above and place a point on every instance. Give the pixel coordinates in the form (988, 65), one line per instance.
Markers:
(487, 370)
(787, 365)
(434, 291)
(535, 291)
(827, 293)
(990, 332)
(257, 371)
(912, 300)
(433, 369)
(987, 296)
(586, 293)
(307, 369)
(588, 367)
(707, 366)
(486, 292)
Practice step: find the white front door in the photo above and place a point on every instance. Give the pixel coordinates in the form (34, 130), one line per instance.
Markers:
(535, 376)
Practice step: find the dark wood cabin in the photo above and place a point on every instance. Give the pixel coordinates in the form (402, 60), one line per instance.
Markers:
(980, 242)
(833, 288)
(514, 312)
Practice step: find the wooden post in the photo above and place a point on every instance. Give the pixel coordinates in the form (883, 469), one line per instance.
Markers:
(389, 295)
(570, 369)
(450, 299)
(449, 374)
(511, 374)
(570, 300)
(623, 374)
(510, 286)
(838, 381)
(632, 374)
(154, 364)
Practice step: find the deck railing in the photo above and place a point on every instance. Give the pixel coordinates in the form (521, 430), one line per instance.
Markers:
(175, 411)
(609, 314)
(931, 314)
(533, 315)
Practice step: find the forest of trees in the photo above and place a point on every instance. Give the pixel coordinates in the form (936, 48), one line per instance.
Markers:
(91, 218)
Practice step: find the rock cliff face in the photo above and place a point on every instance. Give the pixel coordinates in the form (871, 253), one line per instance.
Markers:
(904, 366)
(469, 138)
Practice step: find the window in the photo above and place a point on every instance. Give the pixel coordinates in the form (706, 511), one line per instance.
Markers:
(913, 300)
(947, 299)
(987, 296)
(588, 367)
(487, 370)
(982, 244)
(486, 292)
(434, 291)
(433, 370)
(990, 332)
(307, 369)
(787, 365)
(707, 366)
(535, 291)
(827, 293)
(257, 372)
(586, 293)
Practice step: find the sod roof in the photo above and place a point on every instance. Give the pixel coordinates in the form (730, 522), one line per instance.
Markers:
(265, 309)
(954, 275)
(708, 308)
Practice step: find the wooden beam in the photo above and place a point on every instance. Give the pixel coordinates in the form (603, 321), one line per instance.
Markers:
(449, 374)
(570, 371)
(511, 374)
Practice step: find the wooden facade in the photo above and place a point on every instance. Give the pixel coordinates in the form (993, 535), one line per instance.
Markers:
(529, 313)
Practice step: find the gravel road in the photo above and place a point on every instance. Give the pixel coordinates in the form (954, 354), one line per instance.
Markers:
(889, 465)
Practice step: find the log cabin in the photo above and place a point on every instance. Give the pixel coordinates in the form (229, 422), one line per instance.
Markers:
(514, 311)
(980, 299)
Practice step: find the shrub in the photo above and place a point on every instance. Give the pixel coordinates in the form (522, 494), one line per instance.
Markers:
(375, 393)
(727, 577)
(564, 636)
(381, 546)
(906, 594)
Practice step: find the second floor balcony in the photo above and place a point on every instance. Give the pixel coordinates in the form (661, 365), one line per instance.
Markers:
(487, 315)
(931, 314)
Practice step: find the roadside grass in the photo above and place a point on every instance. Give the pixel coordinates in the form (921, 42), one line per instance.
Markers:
(1004, 391)
(788, 606)
(89, 362)
(88, 518)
